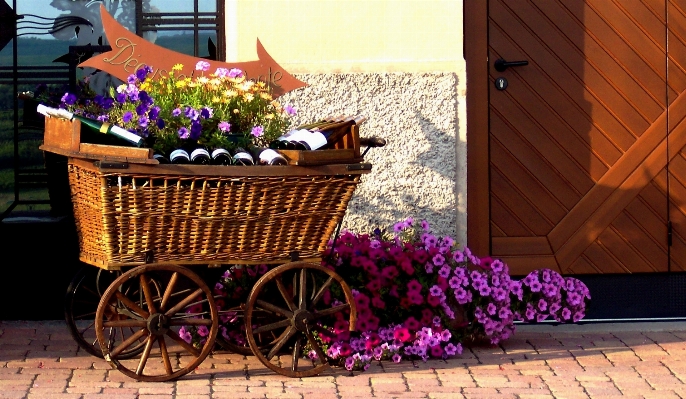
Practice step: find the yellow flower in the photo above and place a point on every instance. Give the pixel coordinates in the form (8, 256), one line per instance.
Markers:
(215, 99)
(235, 110)
(145, 86)
(192, 84)
(202, 80)
(230, 93)
(177, 67)
(215, 82)
(180, 83)
(248, 97)
(269, 116)
(266, 96)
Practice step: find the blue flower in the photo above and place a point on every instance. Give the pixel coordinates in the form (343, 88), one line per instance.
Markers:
(183, 133)
(128, 115)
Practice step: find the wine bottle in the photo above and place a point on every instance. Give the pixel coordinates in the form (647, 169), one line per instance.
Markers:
(267, 156)
(93, 125)
(179, 156)
(200, 156)
(220, 156)
(283, 142)
(160, 157)
(242, 157)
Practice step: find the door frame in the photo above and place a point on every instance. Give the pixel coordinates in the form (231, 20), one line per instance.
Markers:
(475, 48)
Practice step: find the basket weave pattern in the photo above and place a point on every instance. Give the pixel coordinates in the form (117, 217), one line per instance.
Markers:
(211, 219)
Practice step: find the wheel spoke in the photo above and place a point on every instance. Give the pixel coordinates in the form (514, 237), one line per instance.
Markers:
(277, 347)
(131, 304)
(302, 295)
(285, 294)
(330, 311)
(125, 323)
(190, 348)
(276, 309)
(272, 326)
(296, 355)
(90, 325)
(190, 322)
(165, 355)
(168, 292)
(317, 348)
(184, 302)
(321, 292)
(130, 340)
(145, 355)
(148, 294)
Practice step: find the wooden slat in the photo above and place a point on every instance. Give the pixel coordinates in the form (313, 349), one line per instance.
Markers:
(529, 187)
(519, 207)
(625, 253)
(532, 160)
(582, 266)
(507, 246)
(642, 241)
(601, 259)
(510, 226)
(523, 265)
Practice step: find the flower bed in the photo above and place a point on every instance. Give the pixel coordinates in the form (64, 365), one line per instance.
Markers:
(418, 296)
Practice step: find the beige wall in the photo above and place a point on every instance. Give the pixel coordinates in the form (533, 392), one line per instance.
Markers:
(376, 47)
(331, 36)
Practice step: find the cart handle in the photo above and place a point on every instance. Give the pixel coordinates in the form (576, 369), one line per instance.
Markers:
(371, 142)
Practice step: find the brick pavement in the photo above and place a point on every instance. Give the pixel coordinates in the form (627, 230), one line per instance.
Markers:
(39, 360)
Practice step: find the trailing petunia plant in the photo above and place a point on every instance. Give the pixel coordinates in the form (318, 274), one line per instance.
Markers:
(421, 296)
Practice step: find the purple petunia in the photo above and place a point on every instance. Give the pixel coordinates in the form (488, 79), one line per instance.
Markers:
(126, 118)
(202, 66)
(257, 131)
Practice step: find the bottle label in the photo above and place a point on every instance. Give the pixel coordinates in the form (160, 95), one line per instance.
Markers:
(199, 152)
(269, 155)
(126, 135)
(180, 153)
(220, 151)
(243, 156)
(313, 139)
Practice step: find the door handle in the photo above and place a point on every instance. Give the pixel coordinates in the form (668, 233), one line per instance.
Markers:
(501, 65)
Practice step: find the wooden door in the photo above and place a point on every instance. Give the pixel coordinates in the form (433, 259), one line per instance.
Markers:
(583, 175)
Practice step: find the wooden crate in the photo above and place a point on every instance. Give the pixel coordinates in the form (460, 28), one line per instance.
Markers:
(346, 150)
(64, 137)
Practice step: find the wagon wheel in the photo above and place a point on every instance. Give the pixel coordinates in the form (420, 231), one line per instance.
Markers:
(81, 302)
(303, 299)
(264, 340)
(163, 322)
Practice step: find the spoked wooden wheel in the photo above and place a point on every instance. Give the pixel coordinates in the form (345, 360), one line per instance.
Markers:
(81, 302)
(301, 300)
(164, 322)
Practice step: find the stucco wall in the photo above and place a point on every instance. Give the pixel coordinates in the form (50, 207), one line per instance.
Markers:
(419, 172)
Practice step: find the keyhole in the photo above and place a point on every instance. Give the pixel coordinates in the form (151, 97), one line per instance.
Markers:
(501, 83)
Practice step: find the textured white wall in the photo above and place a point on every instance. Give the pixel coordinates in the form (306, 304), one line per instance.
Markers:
(422, 171)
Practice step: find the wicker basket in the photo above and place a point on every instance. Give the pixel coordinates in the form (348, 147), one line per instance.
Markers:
(207, 214)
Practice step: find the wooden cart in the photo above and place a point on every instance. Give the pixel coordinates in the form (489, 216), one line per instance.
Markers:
(145, 228)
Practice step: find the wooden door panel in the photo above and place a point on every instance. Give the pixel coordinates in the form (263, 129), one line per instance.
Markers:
(567, 54)
(547, 148)
(562, 121)
(590, 109)
(544, 67)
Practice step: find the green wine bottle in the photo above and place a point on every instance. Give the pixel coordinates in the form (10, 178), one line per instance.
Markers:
(95, 126)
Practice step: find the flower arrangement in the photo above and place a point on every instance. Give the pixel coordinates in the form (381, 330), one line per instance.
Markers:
(419, 296)
(221, 109)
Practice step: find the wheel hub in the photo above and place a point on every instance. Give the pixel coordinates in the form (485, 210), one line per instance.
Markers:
(158, 324)
(301, 319)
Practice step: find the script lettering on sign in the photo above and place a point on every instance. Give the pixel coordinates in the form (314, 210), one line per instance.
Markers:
(130, 52)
